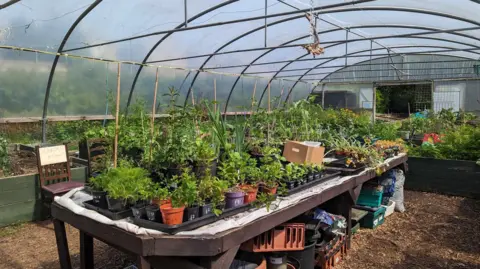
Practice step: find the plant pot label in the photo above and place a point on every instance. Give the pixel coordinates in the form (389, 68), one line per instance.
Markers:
(276, 260)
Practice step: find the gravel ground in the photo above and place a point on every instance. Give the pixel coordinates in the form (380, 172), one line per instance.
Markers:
(437, 231)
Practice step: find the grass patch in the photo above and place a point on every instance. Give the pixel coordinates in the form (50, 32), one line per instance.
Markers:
(11, 230)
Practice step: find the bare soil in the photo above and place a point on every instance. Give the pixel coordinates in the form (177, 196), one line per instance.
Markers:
(436, 231)
(22, 162)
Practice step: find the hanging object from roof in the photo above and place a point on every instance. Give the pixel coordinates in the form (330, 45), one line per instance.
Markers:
(313, 48)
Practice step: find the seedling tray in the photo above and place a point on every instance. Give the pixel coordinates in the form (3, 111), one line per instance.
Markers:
(328, 176)
(192, 224)
(345, 171)
(107, 213)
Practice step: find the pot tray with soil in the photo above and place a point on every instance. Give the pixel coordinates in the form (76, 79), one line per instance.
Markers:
(190, 224)
(297, 188)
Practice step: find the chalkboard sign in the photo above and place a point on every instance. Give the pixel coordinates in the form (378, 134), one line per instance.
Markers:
(52, 155)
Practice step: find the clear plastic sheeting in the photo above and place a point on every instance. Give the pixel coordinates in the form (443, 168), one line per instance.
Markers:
(74, 48)
(457, 95)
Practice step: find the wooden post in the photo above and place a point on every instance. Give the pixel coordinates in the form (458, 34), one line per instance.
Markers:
(269, 110)
(253, 95)
(117, 112)
(154, 106)
(215, 94)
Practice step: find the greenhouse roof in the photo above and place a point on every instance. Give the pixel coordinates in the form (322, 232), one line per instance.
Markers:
(363, 40)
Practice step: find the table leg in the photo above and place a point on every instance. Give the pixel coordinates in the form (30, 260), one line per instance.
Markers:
(142, 263)
(221, 261)
(86, 251)
(347, 202)
(62, 244)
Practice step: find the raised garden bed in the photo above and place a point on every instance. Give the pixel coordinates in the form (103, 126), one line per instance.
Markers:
(20, 198)
(453, 177)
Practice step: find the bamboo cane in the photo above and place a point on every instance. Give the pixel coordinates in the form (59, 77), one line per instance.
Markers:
(215, 94)
(117, 112)
(253, 95)
(154, 106)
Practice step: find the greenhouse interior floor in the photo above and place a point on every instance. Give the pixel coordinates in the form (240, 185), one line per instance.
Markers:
(436, 231)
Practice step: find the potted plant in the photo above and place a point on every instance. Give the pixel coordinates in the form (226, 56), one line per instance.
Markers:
(98, 187)
(250, 187)
(122, 186)
(205, 158)
(142, 197)
(234, 170)
(187, 195)
(289, 176)
(272, 172)
(158, 197)
(211, 194)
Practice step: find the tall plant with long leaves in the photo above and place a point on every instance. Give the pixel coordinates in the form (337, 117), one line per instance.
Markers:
(219, 125)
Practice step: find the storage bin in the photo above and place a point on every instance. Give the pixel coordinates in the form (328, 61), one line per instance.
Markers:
(370, 196)
(329, 256)
(286, 237)
(390, 208)
(373, 219)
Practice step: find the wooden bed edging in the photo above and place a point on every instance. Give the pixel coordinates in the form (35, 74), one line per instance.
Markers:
(451, 177)
(20, 197)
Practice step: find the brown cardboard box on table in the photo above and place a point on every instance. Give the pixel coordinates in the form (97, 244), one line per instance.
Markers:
(298, 152)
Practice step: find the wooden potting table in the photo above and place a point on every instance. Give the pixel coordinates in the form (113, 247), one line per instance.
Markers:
(190, 252)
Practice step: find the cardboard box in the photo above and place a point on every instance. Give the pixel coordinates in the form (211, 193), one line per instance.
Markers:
(303, 152)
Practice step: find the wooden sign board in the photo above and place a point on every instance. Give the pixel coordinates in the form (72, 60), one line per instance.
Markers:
(52, 155)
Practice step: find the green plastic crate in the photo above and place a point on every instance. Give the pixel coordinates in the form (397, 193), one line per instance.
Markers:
(373, 219)
(370, 197)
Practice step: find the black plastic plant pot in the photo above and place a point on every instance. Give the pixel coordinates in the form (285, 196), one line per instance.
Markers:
(174, 171)
(317, 175)
(289, 185)
(200, 168)
(100, 198)
(296, 183)
(115, 204)
(153, 213)
(310, 177)
(206, 210)
(139, 211)
(191, 213)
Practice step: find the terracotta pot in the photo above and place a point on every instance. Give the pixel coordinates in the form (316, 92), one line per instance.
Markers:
(172, 215)
(250, 193)
(161, 202)
(270, 190)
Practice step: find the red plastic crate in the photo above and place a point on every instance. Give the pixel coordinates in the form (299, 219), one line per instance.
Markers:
(329, 256)
(286, 237)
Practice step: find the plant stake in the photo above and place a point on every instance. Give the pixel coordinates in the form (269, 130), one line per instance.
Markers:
(117, 112)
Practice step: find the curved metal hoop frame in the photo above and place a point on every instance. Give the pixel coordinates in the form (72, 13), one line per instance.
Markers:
(318, 10)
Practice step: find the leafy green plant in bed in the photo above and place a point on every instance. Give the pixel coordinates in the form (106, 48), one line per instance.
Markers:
(4, 158)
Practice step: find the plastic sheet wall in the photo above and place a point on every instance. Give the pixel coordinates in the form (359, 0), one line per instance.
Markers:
(458, 95)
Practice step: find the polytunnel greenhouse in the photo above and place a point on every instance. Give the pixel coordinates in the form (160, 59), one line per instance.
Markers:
(275, 130)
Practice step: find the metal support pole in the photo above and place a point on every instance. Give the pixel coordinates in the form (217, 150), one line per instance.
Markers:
(323, 95)
(371, 50)
(346, 46)
(266, 26)
(185, 13)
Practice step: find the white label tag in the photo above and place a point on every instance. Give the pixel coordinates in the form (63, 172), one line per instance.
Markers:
(295, 150)
(275, 260)
(52, 155)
